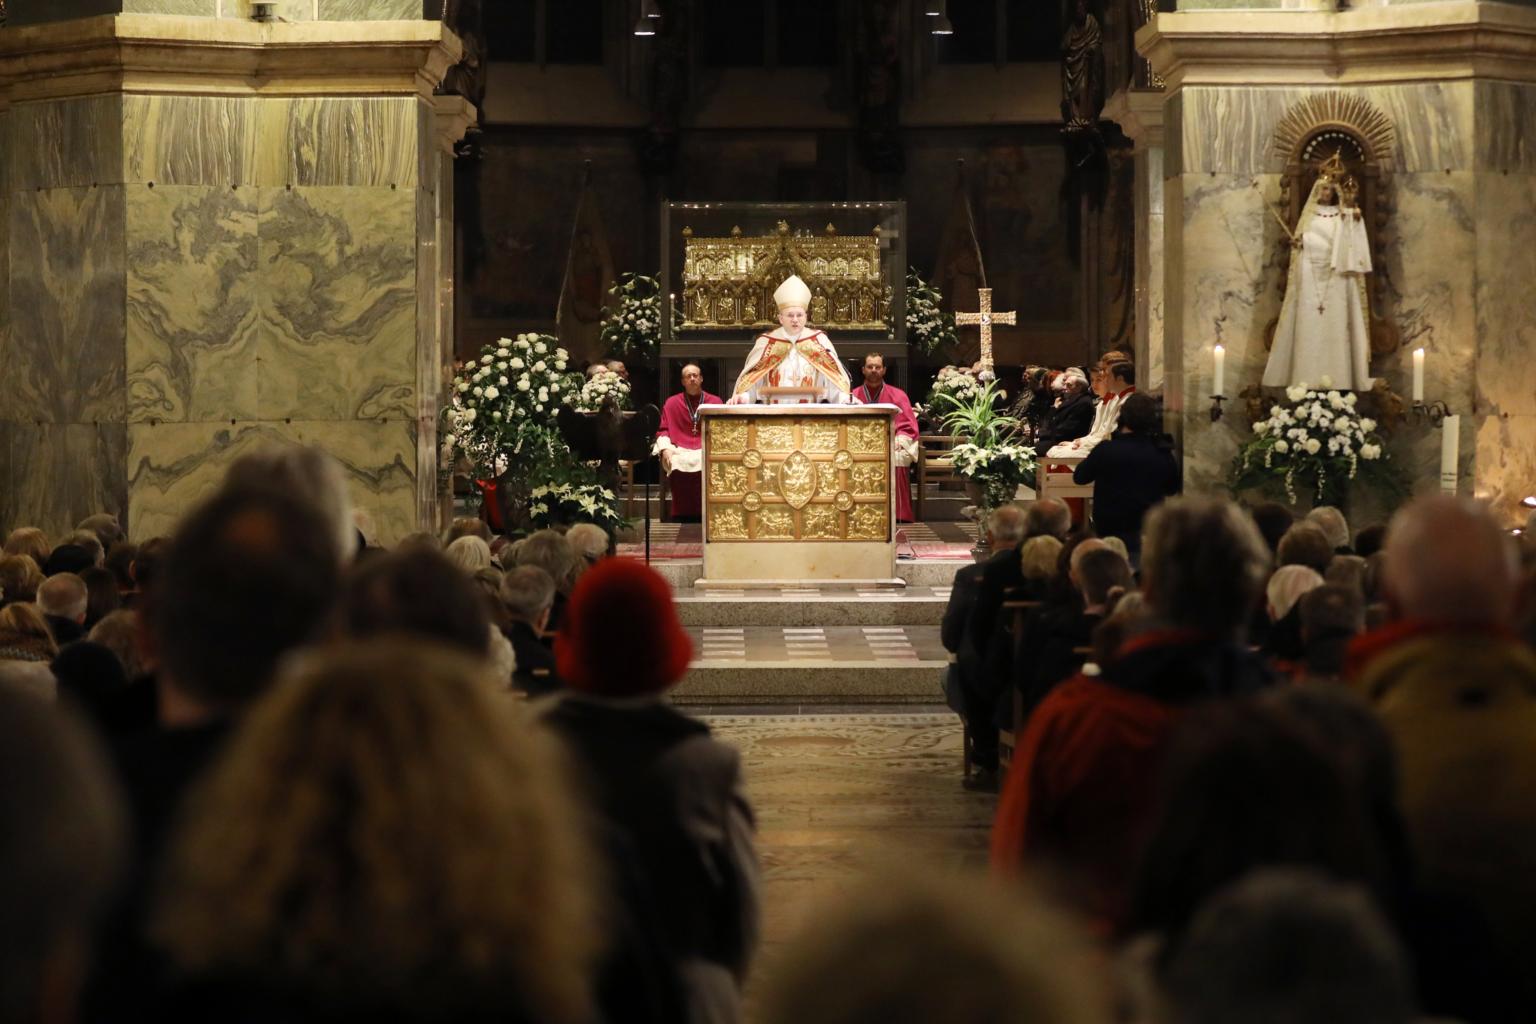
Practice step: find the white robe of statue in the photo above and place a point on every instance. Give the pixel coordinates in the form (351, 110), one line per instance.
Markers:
(1324, 331)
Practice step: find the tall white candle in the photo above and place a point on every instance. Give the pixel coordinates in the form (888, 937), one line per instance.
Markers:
(1219, 374)
(1418, 375)
(1450, 451)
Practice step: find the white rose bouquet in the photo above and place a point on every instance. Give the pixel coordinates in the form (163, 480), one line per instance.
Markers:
(502, 407)
(929, 326)
(954, 384)
(601, 389)
(632, 329)
(1318, 439)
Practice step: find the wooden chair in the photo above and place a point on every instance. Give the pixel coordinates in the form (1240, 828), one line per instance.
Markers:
(935, 464)
(1007, 739)
(627, 479)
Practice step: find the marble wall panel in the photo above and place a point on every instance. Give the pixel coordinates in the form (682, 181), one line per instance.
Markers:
(189, 140)
(1503, 450)
(192, 310)
(370, 10)
(1506, 112)
(337, 300)
(290, 10)
(66, 143)
(1231, 130)
(1506, 317)
(65, 360)
(428, 348)
(59, 473)
(338, 141)
(190, 8)
(1430, 277)
(173, 466)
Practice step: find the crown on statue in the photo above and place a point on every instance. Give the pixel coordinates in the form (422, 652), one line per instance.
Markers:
(1333, 168)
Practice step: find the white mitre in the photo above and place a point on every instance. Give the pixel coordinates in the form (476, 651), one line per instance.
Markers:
(793, 292)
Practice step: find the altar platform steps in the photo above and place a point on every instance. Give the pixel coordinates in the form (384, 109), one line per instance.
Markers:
(682, 573)
(814, 665)
(938, 507)
(814, 606)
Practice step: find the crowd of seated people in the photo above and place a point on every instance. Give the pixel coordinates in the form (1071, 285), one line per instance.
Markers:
(261, 770)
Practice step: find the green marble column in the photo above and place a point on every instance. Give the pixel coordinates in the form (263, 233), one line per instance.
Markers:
(35, 12)
(195, 275)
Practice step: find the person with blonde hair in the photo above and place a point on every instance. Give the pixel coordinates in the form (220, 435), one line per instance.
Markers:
(919, 949)
(29, 541)
(1037, 559)
(19, 579)
(469, 553)
(346, 886)
(26, 649)
(590, 541)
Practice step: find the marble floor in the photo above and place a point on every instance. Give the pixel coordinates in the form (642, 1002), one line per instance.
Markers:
(761, 645)
(838, 795)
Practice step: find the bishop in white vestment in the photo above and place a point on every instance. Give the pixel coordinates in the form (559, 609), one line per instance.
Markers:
(793, 355)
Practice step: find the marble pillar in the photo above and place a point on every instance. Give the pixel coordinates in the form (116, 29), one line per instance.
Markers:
(220, 235)
(1139, 113)
(1458, 82)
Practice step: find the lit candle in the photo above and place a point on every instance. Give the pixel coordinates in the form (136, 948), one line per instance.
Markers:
(1418, 375)
(1219, 375)
(1450, 450)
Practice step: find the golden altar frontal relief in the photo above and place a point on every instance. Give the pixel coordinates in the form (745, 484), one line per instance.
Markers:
(798, 493)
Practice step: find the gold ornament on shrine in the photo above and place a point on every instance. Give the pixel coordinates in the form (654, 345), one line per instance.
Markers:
(985, 318)
(729, 282)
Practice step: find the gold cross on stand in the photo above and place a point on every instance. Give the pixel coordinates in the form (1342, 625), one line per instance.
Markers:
(985, 318)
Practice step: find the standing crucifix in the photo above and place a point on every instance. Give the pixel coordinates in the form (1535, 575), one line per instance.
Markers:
(985, 318)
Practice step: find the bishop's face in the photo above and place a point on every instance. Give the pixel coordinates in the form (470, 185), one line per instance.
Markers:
(693, 381)
(792, 319)
(874, 372)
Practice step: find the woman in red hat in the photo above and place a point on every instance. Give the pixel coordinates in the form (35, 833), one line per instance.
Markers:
(671, 792)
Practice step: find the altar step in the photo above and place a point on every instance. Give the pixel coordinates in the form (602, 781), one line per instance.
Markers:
(682, 573)
(939, 507)
(814, 606)
(739, 665)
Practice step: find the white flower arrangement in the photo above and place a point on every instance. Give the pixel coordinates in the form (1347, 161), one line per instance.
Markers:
(497, 403)
(956, 383)
(1317, 436)
(552, 504)
(929, 326)
(999, 469)
(604, 387)
(632, 329)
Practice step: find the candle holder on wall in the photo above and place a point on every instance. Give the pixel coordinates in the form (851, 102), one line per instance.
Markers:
(1432, 413)
(1216, 411)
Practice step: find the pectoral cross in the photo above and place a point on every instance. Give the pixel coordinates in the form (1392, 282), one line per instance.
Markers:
(985, 318)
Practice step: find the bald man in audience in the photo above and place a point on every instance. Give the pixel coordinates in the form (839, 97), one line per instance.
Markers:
(63, 600)
(1457, 690)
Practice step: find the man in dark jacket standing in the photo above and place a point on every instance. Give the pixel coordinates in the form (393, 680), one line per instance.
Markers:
(1133, 471)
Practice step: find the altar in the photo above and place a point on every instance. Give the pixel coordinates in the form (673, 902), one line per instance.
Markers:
(798, 493)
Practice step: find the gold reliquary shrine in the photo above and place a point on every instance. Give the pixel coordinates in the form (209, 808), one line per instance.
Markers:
(729, 282)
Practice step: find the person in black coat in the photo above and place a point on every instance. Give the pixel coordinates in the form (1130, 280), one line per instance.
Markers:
(1072, 416)
(1130, 473)
(528, 594)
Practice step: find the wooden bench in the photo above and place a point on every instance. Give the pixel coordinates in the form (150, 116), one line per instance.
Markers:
(1007, 739)
(1061, 484)
(935, 464)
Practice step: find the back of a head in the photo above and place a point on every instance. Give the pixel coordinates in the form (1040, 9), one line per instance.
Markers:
(119, 633)
(1123, 373)
(310, 475)
(1006, 525)
(92, 544)
(61, 839)
(550, 551)
(469, 554)
(1305, 544)
(929, 948)
(251, 574)
(1332, 610)
(1273, 520)
(468, 526)
(29, 541)
(1039, 557)
(1245, 785)
(1370, 540)
(1448, 561)
(1287, 585)
(105, 526)
(1048, 517)
(1100, 570)
(1203, 564)
(1348, 571)
(19, 578)
(63, 595)
(102, 596)
(1289, 947)
(588, 540)
(452, 908)
(119, 562)
(527, 592)
(416, 593)
(68, 557)
(621, 636)
(24, 620)
(1139, 415)
(1332, 522)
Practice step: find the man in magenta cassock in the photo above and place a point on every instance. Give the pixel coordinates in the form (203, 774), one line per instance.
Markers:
(680, 443)
(876, 390)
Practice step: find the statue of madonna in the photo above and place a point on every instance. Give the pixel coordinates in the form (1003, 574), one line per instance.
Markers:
(1324, 327)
